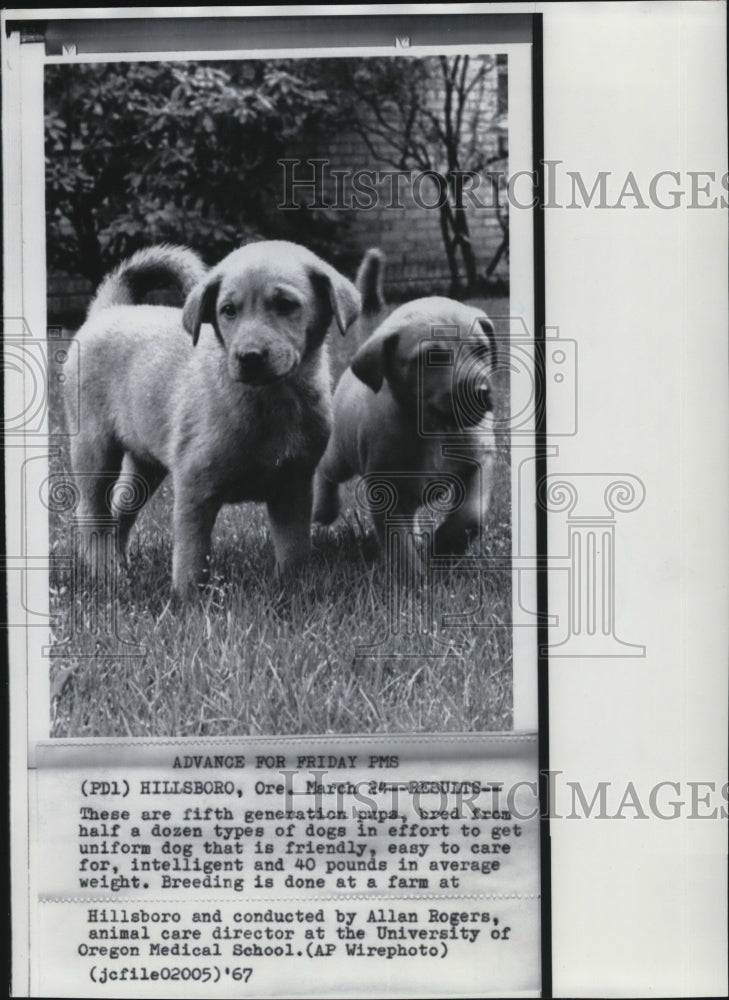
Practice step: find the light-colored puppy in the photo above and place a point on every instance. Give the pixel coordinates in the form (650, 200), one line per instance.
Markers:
(416, 403)
(369, 283)
(236, 410)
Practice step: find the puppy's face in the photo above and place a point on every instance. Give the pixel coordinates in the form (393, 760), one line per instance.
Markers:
(267, 320)
(270, 305)
(453, 383)
(437, 356)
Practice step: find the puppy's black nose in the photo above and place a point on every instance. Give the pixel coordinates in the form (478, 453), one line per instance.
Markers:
(253, 365)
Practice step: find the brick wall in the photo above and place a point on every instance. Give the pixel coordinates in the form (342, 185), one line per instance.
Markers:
(411, 236)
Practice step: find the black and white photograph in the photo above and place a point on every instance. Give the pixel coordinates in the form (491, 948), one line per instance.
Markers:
(280, 498)
(365, 540)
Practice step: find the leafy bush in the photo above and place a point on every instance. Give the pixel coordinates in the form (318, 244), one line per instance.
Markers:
(138, 153)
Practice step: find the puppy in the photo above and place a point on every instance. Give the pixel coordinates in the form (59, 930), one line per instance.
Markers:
(236, 410)
(369, 283)
(415, 404)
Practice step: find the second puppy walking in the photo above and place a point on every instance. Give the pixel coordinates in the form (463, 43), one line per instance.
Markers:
(416, 407)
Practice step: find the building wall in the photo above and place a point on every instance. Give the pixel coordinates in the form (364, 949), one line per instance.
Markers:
(410, 235)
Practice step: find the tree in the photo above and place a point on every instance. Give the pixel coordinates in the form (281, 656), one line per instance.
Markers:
(138, 153)
(430, 114)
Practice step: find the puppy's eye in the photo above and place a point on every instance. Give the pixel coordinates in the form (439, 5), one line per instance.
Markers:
(227, 310)
(284, 305)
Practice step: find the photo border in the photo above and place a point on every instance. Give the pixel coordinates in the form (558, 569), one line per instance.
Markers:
(539, 451)
(545, 856)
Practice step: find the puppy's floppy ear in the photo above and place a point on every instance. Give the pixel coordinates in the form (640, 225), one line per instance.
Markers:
(200, 307)
(373, 361)
(341, 294)
(488, 328)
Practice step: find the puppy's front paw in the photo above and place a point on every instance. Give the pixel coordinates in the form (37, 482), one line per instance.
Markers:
(326, 501)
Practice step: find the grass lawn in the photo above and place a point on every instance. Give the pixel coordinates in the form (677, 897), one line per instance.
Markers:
(258, 656)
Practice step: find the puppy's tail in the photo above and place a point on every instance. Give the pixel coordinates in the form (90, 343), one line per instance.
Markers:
(369, 282)
(161, 266)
